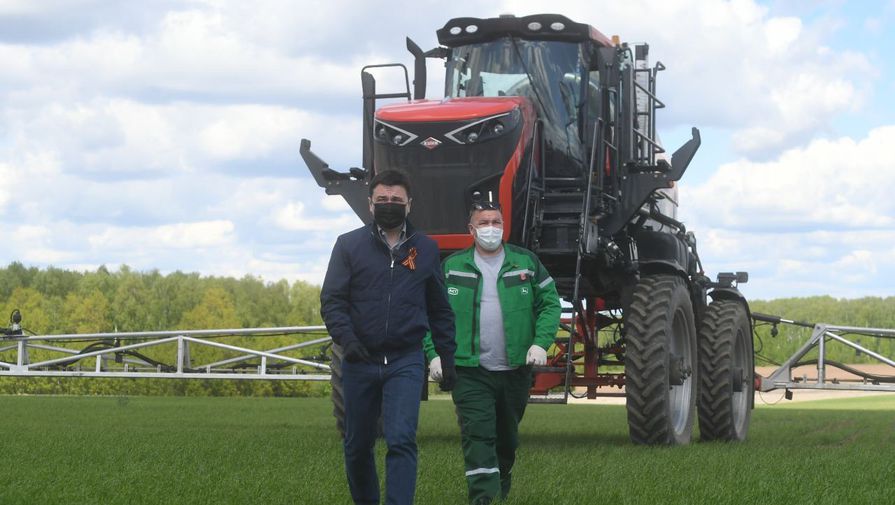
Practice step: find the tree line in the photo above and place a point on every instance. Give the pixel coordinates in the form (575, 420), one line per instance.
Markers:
(866, 312)
(55, 301)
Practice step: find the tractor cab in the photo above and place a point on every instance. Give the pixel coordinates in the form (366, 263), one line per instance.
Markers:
(544, 115)
(551, 74)
(519, 97)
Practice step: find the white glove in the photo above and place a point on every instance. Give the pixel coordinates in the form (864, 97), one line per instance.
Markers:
(435, 369)
(536, 356)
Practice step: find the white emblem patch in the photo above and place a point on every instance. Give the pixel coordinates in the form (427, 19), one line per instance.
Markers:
(430, 143)
(453, 291)
(524, 290)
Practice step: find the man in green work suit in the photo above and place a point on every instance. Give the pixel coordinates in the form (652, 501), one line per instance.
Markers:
(507, 312)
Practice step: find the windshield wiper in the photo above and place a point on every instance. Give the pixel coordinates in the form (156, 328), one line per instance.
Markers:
(534, 87)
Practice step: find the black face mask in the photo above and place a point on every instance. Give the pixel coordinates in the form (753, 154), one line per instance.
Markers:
(389, 215)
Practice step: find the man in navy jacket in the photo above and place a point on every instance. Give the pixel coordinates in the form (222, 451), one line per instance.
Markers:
(383, 291)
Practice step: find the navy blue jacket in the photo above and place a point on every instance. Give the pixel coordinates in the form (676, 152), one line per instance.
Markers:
(372, 295)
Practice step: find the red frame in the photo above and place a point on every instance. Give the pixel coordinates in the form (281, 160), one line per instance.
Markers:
(586, 329)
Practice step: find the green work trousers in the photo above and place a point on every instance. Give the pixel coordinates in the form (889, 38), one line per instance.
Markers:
(490, 406)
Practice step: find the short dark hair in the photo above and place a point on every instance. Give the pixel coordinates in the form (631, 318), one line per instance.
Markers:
(391, 177)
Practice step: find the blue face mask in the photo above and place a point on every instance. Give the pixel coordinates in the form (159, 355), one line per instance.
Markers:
(489, 237)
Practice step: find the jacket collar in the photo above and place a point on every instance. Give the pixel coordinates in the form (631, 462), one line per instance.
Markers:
(409, 232)
(509, 260)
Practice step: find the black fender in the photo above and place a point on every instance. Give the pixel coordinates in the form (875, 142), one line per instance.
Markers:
(660, 252)
(730, 293)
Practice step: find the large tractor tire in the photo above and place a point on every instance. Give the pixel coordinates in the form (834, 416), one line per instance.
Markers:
(660, 362)
(338, 397)
(726, 369)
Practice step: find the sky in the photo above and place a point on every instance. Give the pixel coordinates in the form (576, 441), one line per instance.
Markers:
(164, 134)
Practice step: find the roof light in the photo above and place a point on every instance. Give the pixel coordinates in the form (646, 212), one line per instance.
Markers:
(456, 30)
(472, 29)
(557, 26)
(534, 26)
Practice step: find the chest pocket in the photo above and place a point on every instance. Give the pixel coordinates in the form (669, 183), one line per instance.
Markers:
(458, 279)
(518, 284)
(461, 289)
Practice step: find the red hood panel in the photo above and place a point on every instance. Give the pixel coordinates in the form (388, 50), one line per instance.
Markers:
(449, 109)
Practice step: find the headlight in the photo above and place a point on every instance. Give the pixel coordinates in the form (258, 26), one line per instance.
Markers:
(391, 134)
(488, 128)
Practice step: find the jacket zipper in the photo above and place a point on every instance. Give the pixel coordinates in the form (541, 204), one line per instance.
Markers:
(475, 315)
(388, 302)
(391, 272)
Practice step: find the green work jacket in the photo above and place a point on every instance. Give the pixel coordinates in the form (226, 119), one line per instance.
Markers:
(528, 300)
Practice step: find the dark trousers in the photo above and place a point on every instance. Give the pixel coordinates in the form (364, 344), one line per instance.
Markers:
(490, 406)
(394, 391)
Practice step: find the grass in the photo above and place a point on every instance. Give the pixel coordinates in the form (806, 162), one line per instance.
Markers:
(143, 450)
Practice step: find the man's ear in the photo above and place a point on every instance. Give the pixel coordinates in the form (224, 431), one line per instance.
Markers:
(407, 207)
(471, 229)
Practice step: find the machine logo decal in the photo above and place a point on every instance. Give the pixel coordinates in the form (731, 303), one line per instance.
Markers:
(431, 143)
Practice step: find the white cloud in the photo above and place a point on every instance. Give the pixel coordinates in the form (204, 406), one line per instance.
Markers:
(782, 32)
(293, 217)
(829, 183)
(200, 53)
(335, 204)
(726, 59)
(819, 219)
(838, 263)
(169, 236)
(251, 131)
(35, 244)
(128, 138)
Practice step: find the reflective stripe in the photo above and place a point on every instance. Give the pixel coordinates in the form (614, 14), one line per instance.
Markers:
(518, 272)
(546, 281)
(462, 274)
(478, 471)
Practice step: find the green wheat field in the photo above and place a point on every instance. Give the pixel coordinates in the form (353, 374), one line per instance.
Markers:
(150, 450)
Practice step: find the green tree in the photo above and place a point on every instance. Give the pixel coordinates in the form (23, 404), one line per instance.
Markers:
(304, 302)
(130, 306)
(86, 313)
(101, 280)
(15, 276)
(56, 282)
(216, 310)
(172, 296)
